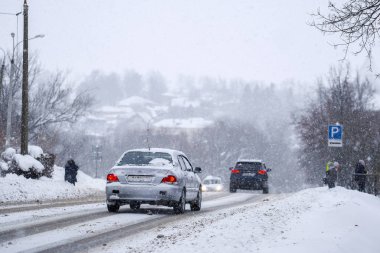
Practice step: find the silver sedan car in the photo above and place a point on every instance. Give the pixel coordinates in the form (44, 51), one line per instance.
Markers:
(154, 176)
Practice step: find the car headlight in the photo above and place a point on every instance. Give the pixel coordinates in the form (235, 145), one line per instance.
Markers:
(204, 188)
(219, 188)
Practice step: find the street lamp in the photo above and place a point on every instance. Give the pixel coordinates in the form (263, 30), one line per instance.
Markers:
(13, 14)
(97, 155)
(11, 86)
(10, 96)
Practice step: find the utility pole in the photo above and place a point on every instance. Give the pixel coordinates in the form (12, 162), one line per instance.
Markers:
(25, 89)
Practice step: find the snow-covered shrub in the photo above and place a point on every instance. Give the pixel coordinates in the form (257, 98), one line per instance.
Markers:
(5, 160)
(3, 168)
(34, 165)
(27, 166)
(47, 161)
(35, 151)
(8, 154)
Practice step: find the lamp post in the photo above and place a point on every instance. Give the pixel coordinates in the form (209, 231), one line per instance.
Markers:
(10, 96)
(13, 14)
(11, 87)
(97, 155)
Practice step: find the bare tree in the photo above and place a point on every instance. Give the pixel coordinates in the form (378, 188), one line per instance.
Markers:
(348, 101)
(357, 22)
(15, 92)
(52, 103)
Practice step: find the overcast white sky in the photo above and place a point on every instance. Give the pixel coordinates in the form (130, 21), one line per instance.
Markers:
(266, 40)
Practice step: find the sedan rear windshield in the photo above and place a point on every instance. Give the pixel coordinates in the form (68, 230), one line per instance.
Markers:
(249, 165)
(145, 158)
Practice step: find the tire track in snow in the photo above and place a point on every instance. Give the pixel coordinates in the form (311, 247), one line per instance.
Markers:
(32, 228)
(38, 206)
(81, 244)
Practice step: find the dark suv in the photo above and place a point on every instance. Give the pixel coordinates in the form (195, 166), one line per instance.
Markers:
(249, 175)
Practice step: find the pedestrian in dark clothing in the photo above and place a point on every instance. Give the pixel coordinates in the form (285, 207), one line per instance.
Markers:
(332, 174)
(360, 176)
(71, 171)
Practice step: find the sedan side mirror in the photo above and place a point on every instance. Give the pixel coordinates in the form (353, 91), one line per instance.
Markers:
(197, 170)
(268, 170)
(231, 168)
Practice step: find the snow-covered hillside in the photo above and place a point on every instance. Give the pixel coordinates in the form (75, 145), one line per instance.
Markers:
(15, 188)
(313, 220)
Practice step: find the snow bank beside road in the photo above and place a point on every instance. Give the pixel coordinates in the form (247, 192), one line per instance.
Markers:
(15, 188)
(312, 220)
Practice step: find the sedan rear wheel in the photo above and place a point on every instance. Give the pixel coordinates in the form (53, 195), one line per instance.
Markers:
(181, 205)
(134, 205)
(113, 208)
(197, 204)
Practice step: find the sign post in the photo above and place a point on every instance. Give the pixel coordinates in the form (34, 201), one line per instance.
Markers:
(335, 138)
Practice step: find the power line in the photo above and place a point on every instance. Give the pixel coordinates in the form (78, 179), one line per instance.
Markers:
(7, 13)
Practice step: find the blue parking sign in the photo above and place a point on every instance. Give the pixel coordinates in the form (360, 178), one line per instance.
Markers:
(335, 136)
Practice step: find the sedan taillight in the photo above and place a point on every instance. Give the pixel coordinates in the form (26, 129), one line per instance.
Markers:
(112, 178)
(169, 179)
(234, 171)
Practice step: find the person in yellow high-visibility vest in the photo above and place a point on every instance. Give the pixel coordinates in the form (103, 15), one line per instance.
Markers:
(328, 164)
(332, 173)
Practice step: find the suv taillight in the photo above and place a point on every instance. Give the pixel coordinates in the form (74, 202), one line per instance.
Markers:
(169, 179)
(262, 172)
(235, 171)
(112, 178)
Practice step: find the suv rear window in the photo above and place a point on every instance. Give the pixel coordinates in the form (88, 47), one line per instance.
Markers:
(248, 165)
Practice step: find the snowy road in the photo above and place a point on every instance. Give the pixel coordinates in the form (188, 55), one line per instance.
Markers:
(313, 220)
(82, 227)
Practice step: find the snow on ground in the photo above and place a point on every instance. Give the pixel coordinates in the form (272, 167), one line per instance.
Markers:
(14, 220)
(312, 220)
(86, 228)
(77, 231)
(15, 188)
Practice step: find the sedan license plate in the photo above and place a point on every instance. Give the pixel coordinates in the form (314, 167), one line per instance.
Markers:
(249, 174)
(139, 179)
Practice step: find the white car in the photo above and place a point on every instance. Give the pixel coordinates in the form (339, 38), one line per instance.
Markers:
(212, 184)
(154, 176)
